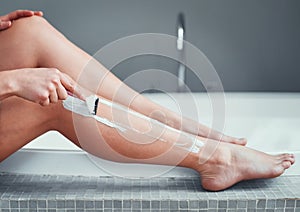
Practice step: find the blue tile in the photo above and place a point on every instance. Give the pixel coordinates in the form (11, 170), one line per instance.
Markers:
(89, 204)
(60, 204)
(261, 203)
(126, 203)
(271, 203)
(164, 204)
(98, 204)
(117, 204)
(203, 204)
(251, 204)
(70, 204)
(24, 204)
(233, 204)
(51, 204)
(171, 194)
(290, 203)
(136, 204)
(145, 204)
(41, 204)
(183, 204)
(193, 204)
(107, 204)
(14, 204)
(242, 204)
(298, 204)
(155, 204)
(32, 204)
(174, 205)
(213, 204)
(79, 204)
(280, 203)
(222, 204)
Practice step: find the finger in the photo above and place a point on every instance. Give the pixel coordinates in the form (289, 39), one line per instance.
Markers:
(18, 14)
(70, 85)
(53, 97)
(38, 13)
(5, 24)
(78, 93)
(61, 92)
(45, 102)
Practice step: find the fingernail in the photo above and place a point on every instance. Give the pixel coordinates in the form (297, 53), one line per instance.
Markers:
(70, 93)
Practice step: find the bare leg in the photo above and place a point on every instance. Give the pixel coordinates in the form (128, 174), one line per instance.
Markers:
(22, 121)
(230, 163)
(39, 44)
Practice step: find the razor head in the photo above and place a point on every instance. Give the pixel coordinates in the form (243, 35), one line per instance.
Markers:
(92, 104)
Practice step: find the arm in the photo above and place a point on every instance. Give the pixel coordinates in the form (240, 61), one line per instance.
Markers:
(39, 85)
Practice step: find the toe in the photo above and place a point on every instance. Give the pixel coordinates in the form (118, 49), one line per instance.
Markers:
(233, 140)
(238, 141)
(241, 141)
(286, 164)
(292, 159)
(288, 157)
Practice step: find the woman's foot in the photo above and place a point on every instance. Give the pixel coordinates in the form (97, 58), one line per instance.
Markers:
(230, 164)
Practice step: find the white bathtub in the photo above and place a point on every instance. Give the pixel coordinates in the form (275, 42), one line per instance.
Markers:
(270, 121)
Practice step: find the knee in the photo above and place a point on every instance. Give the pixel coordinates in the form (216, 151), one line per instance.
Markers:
(24, 31)
(29, 25)
(21, 42)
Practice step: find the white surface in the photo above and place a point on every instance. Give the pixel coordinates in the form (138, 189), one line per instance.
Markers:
(270, 122)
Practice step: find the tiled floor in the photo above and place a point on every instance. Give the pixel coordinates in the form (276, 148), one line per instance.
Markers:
(67, 193)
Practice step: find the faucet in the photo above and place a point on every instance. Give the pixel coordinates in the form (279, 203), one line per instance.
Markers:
(180, 48)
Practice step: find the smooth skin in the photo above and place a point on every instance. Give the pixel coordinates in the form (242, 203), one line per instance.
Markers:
(53, 64)
(6, 20)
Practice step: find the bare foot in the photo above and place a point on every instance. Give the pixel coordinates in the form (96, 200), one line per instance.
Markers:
(230, 164)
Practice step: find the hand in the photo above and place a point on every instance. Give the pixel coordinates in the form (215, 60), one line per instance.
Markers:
(6, 20)
(43, 85)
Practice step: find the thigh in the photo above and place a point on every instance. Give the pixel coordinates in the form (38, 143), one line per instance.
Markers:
(22, 121)
(17, 48)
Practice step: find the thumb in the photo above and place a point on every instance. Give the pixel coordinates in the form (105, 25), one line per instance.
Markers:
(4, 24)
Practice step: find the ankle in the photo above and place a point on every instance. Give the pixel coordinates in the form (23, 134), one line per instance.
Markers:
(214, 154)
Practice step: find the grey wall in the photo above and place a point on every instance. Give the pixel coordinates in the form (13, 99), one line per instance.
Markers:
(253, 44)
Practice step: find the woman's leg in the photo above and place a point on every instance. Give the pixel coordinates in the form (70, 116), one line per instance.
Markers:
(21, 121)
(36, 40)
